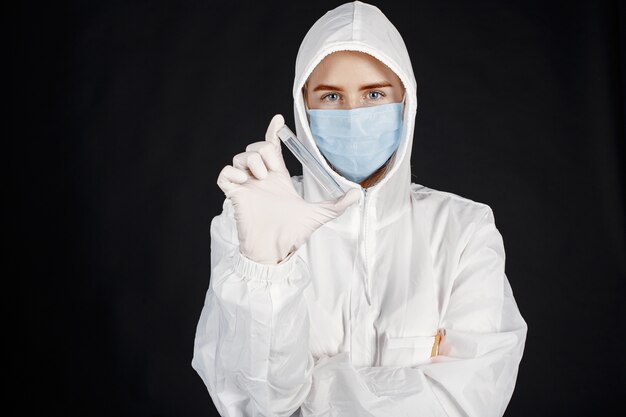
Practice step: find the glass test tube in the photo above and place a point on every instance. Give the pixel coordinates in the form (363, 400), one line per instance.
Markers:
(308, 160)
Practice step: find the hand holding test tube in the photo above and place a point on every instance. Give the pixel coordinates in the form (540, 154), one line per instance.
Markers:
(272, 219)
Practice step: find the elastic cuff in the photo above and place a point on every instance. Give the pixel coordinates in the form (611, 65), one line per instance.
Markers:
(253, 270)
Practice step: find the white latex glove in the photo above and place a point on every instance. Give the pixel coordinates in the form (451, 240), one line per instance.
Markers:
(272, 219)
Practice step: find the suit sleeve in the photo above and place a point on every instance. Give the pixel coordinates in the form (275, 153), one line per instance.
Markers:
(251, 346)
(475, 371)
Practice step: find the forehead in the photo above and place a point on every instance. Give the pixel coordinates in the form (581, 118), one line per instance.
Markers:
(351, 67)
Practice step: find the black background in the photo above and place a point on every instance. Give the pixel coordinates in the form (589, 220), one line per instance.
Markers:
(122, 114)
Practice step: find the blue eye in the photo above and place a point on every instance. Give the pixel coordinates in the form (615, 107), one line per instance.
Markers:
(378, 95)
(330, 94)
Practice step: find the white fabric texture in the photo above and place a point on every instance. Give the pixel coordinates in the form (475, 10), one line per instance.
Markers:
(346, 325)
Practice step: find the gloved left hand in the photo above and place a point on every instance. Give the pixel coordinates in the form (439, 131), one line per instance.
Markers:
(272, 219)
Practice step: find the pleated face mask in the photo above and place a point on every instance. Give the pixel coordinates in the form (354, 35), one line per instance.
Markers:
(357, 141)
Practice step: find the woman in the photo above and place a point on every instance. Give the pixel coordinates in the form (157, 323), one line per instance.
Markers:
(391, 300)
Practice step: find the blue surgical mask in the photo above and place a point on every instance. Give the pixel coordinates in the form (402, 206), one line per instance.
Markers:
(357, 141)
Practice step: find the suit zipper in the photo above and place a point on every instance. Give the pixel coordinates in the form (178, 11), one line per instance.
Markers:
(364, 228)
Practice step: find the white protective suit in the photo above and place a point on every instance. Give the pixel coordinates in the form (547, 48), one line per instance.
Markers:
(346, 325)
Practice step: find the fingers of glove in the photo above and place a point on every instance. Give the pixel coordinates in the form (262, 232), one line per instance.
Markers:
(336, 207)
(230, 178)
(272, 156)
(251, 161)
(276, 123)
(342, 203)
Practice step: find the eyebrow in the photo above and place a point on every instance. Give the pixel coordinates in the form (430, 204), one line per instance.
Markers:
(363, 87)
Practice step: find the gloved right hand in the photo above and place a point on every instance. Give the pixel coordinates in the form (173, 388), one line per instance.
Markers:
(272, 219)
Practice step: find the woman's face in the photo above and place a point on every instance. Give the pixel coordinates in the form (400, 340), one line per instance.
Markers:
(351, 79)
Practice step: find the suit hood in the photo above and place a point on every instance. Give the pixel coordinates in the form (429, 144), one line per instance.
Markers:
(359, 26)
